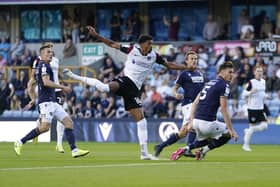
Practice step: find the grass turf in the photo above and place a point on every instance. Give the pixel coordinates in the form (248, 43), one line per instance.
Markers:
(119, 164)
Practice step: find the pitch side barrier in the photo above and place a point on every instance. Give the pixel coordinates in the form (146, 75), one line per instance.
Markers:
(125, 130)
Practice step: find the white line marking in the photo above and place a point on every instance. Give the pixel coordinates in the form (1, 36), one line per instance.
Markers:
(88, 166)
(135, 164)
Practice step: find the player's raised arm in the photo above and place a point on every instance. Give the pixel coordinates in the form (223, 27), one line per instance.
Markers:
(170, 65)
(106, 41)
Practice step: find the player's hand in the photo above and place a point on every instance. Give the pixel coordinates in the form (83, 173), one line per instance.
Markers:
(179, 96)
(67, 89)
(233, 135)
(92, 30)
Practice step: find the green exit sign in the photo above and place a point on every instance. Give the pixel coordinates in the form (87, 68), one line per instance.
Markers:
(93, 50)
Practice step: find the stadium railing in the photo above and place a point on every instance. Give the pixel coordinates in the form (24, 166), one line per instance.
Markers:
(9, 72)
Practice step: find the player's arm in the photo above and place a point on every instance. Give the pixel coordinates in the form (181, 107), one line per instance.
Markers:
(31, 86)
(175, 92)
(249, 90)
(170, 65)
(31, 89)
(48, 83)
(224, 111)
(106, 41)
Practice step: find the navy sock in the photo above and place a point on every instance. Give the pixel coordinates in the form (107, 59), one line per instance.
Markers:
(221, 141)
(198, 144)
(171, 140)
(191, 137)
(32, 134)
(70, 138)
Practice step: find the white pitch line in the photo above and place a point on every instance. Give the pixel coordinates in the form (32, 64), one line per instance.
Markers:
(133, 165)
(89, 166)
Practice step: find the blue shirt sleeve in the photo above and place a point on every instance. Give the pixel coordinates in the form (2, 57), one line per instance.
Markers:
(225, 90)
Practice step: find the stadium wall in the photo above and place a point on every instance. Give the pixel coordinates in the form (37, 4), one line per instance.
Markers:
(125, 130)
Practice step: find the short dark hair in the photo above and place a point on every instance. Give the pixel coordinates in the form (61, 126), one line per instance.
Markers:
(225, 65)
(143, 38)
(190, 53)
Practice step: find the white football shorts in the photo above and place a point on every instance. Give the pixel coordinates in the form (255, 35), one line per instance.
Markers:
(50, 110)
(186, 111)
(209, 129)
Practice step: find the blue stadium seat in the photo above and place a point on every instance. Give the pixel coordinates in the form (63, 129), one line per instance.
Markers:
(35, 114)
(7, 113)
(16, 113)
(211, 72)
(27, 114)
(78, 91)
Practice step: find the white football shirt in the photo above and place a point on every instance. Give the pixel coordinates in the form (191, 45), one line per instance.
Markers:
(139, 66)
(256, 100)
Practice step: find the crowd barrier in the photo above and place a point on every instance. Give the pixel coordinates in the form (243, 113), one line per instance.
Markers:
(124, 130)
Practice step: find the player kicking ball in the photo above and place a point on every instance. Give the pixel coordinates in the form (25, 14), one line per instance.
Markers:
(140, 59)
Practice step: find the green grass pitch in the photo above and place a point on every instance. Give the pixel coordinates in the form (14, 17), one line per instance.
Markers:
(118, 164)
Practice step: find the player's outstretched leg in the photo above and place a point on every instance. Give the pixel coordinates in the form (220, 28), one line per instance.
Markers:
(90, 81)
(171, 140)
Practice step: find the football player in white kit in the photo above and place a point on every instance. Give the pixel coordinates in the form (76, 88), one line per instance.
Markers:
(255, 92)
(58, 93)
(140, 59)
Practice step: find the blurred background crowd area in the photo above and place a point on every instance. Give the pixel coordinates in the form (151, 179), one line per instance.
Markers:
(245, 32)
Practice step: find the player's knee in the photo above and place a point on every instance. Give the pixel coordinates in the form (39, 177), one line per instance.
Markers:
(68, 123)
(183, 132)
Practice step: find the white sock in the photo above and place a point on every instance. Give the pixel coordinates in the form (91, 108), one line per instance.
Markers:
(142, 136)
(261, 127)
(60, 131)
(205, 149)
(92, 82)
(248, 135)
